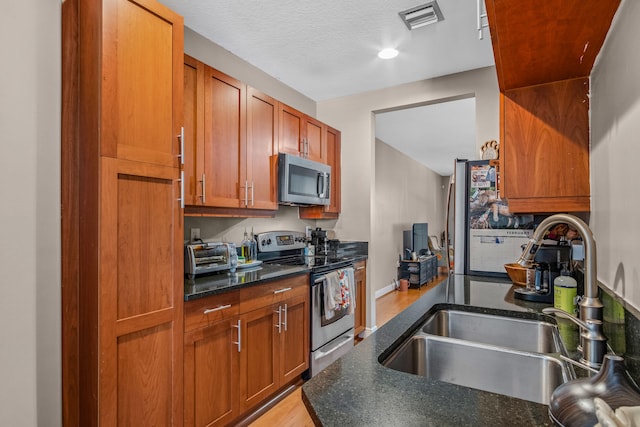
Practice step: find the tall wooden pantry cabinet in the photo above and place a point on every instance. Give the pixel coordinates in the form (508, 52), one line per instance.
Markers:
(121, 214)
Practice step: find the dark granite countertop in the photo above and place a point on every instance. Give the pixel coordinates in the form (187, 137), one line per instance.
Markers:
(226, 281)
(358, 391)
(214, 284)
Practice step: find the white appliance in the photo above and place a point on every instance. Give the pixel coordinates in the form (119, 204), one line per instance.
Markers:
(485, 234)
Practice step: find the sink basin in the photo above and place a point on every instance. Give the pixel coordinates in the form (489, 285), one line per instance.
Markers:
(493, 352)
(524, 375)
(519, 334)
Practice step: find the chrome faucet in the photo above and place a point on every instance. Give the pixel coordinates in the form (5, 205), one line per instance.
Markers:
(590, 306)
(592, 339)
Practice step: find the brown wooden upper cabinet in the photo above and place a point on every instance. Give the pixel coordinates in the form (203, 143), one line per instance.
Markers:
(542, 42)
(331, 211)
(231, 135)
(302, 135)
(546, 155)
(544, 53)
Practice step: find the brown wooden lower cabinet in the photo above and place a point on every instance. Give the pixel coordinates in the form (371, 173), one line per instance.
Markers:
(211, 374)
(256, 342)
(360, 277)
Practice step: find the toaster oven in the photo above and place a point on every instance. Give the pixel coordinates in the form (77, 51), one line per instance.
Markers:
(202, 258)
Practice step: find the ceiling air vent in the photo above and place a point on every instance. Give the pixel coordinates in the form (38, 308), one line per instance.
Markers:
(422, 15)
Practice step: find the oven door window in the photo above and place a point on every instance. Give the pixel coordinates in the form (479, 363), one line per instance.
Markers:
(338, 313)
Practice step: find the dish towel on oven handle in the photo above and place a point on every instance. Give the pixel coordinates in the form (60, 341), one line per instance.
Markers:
(339, 292)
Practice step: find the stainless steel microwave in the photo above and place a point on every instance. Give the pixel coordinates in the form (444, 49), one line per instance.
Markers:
(302, 181)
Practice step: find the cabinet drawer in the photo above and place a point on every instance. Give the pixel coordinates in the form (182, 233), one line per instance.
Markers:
(259, 296)
(207, 311)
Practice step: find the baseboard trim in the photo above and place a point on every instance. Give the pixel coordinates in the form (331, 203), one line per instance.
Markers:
(387, 289)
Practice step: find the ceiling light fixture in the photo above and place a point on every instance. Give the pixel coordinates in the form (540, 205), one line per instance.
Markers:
(422, 15)
(388, 53)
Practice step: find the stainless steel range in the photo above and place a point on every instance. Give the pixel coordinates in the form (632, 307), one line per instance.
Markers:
(332, 294)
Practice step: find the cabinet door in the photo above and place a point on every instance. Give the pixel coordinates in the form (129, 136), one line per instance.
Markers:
(211, 374)
(259, 355)
(224, 140)
(193, 130)
(294, 338)
(546, 148)
(141, 81)
(315, 140)
(141, 294)
(333, 158)
(262, 145)
(291, 130)
(360, 277)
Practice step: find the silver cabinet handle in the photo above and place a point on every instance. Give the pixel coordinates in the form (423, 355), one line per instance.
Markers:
(285, 317)
(361, 268)
(279, 291)
(203, 196)
(181, 138)
(239, 342)
(246, 193)
(222, 307)
(181, 199)
(279, 325)
(252, 195)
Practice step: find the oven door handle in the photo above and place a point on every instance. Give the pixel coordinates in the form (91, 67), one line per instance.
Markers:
(346, 338)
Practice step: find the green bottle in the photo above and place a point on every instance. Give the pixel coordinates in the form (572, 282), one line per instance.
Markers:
(565, 291)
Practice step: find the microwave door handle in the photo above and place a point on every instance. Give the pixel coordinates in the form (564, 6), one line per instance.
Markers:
(323, 178)
(319, 184)
(327, 187)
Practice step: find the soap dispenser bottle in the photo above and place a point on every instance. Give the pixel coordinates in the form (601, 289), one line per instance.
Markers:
(565, 290)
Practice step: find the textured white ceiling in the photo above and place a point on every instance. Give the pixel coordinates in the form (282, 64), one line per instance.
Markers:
(327, 49)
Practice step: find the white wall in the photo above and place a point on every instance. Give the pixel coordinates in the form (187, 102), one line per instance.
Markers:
(353, 115)
(215, 56)
(615, 153)
(30, 216)
(406, 192)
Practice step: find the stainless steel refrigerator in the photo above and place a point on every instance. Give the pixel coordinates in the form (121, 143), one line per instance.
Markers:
(485, 234)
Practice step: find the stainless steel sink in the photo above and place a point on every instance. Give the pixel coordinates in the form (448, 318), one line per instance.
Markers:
(492, 352)
(519, 334)
(524, 375)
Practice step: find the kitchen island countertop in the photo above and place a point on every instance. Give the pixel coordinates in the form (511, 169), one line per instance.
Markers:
(358, 391)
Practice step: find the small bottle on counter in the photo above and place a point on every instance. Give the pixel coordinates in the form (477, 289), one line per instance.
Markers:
(565, 291)
(253, 248)
(246, 248)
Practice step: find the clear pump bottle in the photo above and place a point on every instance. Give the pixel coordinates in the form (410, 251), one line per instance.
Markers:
(565, 289)
(246, 248)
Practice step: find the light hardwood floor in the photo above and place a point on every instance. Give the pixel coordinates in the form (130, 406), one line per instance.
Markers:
(290, 411)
